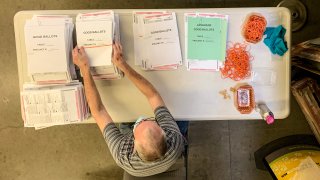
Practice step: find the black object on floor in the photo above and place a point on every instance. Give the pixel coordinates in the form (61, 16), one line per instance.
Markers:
(281, 146)
(301, 139)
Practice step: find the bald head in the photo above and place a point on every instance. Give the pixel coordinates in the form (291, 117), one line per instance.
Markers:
(149, 141)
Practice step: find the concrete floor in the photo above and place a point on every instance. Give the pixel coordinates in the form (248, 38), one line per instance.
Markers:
(218, 149)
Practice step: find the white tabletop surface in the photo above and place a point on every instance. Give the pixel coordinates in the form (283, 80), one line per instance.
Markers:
(189, 95)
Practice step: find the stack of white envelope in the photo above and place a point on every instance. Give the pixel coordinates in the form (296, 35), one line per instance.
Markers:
(48, 40)
(156, 40)
(48, 105)
(96, 32)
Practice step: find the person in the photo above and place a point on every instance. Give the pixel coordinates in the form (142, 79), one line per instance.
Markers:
(155, 144)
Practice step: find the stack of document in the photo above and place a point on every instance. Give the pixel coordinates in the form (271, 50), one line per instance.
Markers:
(96, 32)
(48, 105)
(48, 40)
(205, 40)
(156, 40)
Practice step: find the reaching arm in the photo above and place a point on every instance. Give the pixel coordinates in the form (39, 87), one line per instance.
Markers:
(139, 81)
(98, 110)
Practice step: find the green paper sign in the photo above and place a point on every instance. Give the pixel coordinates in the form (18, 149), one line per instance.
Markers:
(206, 38)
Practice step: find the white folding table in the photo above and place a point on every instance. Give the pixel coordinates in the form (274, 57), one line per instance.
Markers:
(189, 95)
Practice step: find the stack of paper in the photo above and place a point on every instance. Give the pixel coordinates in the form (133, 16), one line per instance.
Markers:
(44, 106)
(96, 32)
(205, 40)
(48, 40)
(156, 40)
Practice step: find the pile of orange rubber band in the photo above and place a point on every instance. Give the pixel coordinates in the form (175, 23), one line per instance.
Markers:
(237, 64)
(253, 28)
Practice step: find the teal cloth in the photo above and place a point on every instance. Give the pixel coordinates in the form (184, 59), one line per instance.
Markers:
(275, 40)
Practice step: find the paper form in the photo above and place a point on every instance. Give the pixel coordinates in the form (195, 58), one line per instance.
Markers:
(161, 35)
(138, 33)
(96, 38)
(156, 32)
(206, 37)
(49, 43)
(96, 32)
(203, 38)
(45, 49)
(49, 105)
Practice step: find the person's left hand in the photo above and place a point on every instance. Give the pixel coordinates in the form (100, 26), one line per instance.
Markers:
(80, 58)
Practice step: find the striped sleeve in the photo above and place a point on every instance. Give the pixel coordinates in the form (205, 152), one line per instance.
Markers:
(113, 138)
(165, 119)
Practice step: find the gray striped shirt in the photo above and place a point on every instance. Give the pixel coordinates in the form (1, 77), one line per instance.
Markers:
(121, 147)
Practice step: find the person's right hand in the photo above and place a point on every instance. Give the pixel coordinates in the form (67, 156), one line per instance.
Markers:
(117, 57)
(80, 58)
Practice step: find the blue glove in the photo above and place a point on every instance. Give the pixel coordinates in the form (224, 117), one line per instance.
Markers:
(275, 40)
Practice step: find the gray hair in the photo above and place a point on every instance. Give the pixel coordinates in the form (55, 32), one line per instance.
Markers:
(155, 148)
